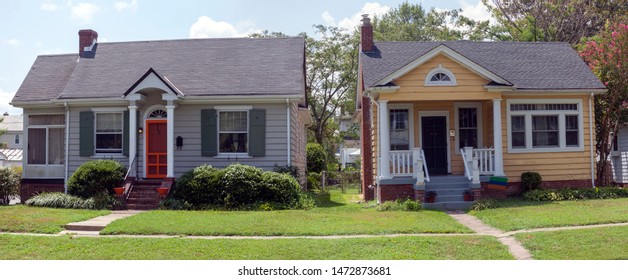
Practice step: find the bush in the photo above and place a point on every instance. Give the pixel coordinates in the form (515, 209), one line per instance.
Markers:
(576, 194)
(531, 180)
(484, 203)
(314, 180)
(315, 157)
(242, 185)
(96, 177)
(202, 185)
(175, 204)
(288, 169)
(9, 184)
(400, 205)
(278, 188)
(62, 200)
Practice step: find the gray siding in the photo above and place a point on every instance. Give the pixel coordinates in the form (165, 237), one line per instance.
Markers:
(619, 159)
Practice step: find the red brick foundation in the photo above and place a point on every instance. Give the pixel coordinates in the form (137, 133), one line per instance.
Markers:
(515, 189)
(394, 192)
(32, 187)
(367, 150)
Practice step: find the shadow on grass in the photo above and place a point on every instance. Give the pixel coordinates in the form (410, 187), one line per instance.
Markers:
(323, 200)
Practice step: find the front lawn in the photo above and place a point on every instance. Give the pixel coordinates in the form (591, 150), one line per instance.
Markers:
(380, 248)
(520, 214)
(20, 218)
(338, 215)
(604, 243)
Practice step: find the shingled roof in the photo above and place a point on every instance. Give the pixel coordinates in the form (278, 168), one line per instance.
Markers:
(525, 65)
(197, 67)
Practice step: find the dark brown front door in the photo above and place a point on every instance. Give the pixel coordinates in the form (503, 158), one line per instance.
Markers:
(156, 152)
(434, 138)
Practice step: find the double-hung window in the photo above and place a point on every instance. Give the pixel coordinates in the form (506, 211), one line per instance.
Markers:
(108, 136)
(399, 130)
(535, 126)
(233, 132)
(46, 140)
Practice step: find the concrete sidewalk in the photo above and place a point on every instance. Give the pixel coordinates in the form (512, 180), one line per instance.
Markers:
(95, 225)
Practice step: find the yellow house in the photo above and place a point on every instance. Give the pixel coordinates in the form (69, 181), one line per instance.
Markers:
(448, 117)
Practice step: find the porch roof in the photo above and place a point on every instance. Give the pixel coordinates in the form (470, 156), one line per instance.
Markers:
(526, 65)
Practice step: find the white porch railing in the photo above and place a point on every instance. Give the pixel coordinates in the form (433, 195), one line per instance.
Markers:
(480, 161)
(409, 163)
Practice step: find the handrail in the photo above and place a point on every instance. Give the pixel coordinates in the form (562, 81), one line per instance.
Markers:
(128, 172)
(133, 164)
(466, 167)
(427, 174)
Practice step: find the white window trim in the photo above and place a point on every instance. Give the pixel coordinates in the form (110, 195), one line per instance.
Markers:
(440, 69)
(107, 111)
(437, 114)
(480, 128)
(561, 125)
(47, 127)
(410, 108)
(220, 109)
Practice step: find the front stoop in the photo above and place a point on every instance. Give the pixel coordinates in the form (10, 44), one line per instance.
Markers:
(450, 193)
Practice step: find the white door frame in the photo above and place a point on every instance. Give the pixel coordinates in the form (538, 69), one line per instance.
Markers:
(437, 114)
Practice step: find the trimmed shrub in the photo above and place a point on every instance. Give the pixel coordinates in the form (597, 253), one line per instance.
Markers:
(400, 205)
(288, 169)
(202, 185)
(60, 200)
(96, 177)
(9, 184)
(315, 154)
(531, 180)
(242, 185)
(278, 188)
(576, 194)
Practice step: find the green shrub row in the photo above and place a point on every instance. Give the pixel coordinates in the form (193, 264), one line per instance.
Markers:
(62, 200)
(575, 194)
(400, 205)
(236, 187)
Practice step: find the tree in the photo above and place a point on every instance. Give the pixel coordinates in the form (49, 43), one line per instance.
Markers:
(2, 131)
(410, 22)
(547, 21)
(607, 56)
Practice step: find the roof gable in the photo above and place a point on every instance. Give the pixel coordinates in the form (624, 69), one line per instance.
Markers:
(152, 79)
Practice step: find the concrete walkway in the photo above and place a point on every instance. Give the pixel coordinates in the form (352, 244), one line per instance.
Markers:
(95, 225)
(514, 247)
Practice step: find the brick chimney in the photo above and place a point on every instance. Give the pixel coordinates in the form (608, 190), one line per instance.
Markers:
(87, 39)
(366, 34)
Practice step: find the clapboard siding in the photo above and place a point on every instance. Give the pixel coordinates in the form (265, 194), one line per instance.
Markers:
(619, 159)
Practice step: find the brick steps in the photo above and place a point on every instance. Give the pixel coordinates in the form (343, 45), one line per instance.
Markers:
(144, 196)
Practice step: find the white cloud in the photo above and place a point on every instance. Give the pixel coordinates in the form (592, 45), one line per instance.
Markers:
(131, 6)
(5, 98)
(475, 12)
(84, 12)
(48, 6)
(349, 23)
(11, 42)
(206, 27)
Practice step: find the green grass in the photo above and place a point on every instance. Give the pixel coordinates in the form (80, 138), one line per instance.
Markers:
(604, 243)
(380, 248)
(338, 214)
(20, 218)
(519, 214)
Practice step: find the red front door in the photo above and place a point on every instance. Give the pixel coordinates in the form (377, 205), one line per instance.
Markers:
(156, 143)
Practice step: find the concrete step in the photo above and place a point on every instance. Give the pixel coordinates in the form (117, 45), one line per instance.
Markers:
(448, 179)
(439, 186)
(142, 206)
(440, 192)
(142, 200)
(458, 205)
(449, 198)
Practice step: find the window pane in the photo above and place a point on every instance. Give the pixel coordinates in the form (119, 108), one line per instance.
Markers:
(541, 123)
(233, 143)
(46, 119)
(399, 130)
(468, 138)
(571, 131)
(545, 131)
(109, 143)
(109, 122)
(36, 146)
(467, 118)
(233, 121)
(56, 151)
(517, 129)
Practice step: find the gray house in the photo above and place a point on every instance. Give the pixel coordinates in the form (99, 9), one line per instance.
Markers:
(11, 140)
(163, 107)
(619, 156)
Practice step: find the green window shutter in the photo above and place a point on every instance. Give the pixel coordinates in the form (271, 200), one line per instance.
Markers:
(257, 133)
(86, 133)
(125, 134)
(209, 133)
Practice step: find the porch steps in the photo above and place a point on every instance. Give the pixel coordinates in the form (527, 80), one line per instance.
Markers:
(450, 193)
(144, 195)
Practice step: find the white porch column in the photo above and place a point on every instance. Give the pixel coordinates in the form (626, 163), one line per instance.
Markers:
(170, 128)
(384, 140)
(497, 137)
(132, 132)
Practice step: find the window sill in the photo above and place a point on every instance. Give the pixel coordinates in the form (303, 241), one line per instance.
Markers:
(109, 156)
(234, 156)
(545, 150)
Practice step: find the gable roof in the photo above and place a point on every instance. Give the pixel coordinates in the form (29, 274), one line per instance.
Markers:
(524, 65)
(196, 67)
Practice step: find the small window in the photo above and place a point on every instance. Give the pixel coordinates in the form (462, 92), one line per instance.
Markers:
(440, 76)
(233, 132)
(109, 133)
(518, 131)
(615, 144)
(399, 130)
(158, 114)
(571, 131)
(17, 139)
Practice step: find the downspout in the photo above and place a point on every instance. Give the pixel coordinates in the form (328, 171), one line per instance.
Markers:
(67, 146)
(288, 129)
(591, 140)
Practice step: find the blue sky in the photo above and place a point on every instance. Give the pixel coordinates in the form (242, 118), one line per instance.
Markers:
(31, 28)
